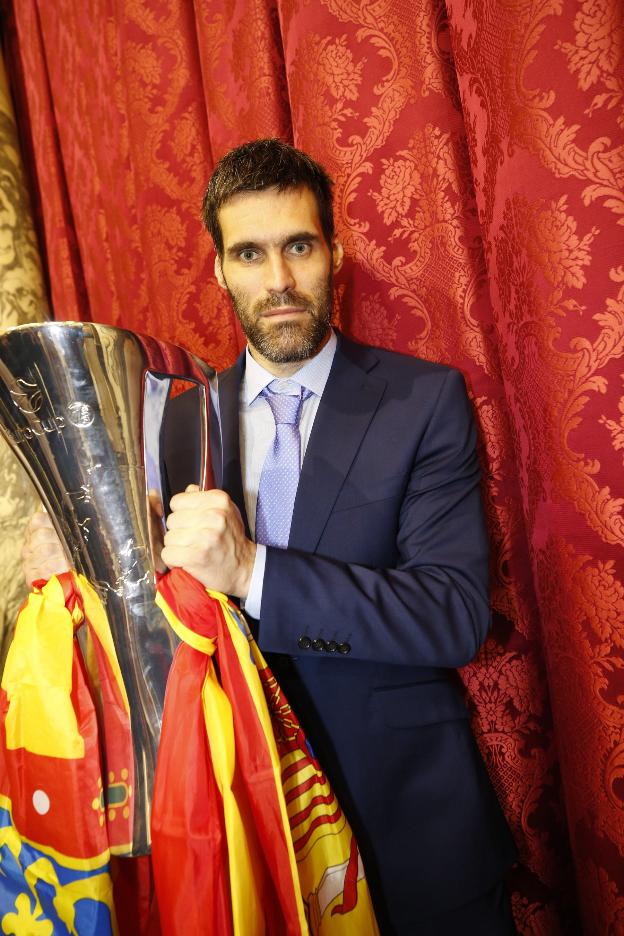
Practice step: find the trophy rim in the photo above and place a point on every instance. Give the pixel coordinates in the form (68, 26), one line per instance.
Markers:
(99, 328)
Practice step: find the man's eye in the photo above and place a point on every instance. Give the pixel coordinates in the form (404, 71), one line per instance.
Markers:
(248, 255)
(300, 249)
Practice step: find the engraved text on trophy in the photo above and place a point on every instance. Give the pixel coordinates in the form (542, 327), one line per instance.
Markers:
(29, 397)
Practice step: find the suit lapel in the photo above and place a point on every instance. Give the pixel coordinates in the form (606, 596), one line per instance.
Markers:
(351, 397)
(232, 482)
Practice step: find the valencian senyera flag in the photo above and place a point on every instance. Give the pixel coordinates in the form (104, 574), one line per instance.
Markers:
(247, 835)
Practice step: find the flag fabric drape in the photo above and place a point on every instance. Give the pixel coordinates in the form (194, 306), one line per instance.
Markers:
(247, 835)
(65, 786)
(478, 153)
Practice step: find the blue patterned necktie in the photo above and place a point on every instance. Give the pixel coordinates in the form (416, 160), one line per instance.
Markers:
(280, 472)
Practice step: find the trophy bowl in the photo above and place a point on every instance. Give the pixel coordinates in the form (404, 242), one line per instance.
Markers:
(83, 407)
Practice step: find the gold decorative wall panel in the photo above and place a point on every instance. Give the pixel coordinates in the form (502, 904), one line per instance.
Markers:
(22, 299)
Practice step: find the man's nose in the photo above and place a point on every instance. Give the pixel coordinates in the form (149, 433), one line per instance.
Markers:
(279, 274)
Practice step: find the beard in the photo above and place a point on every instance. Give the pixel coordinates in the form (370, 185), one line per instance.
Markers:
(286, 342)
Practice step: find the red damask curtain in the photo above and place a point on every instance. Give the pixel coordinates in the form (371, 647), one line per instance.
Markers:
(478, 154)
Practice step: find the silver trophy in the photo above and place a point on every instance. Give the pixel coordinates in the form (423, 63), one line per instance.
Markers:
(83, 408)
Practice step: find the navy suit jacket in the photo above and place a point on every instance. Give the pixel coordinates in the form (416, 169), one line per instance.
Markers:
(381, 593)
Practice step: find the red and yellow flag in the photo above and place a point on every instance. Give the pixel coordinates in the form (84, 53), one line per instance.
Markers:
(247, 836)
(65, 786)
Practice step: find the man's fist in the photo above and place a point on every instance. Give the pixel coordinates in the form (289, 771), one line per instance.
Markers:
(206, 537)
(42, 554)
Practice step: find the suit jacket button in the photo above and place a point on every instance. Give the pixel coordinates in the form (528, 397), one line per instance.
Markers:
(332, 646)
(319, 644)
(304, 642)
(344, 648)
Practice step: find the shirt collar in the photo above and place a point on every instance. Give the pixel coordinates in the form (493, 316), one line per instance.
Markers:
(312, 374)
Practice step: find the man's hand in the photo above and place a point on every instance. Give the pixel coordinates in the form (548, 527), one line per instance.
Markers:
(206, 537)
(42, 554)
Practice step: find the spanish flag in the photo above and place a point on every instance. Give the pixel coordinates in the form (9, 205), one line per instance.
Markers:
(247, 836)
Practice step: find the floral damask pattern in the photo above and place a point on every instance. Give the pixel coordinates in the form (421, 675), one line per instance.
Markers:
(22, 299)
(478, 154)
(616, 428)
(343, 73)
(549, 196)
(595, 55)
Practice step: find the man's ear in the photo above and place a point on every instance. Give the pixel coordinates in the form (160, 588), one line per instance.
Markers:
(338, 254)
(218, 272)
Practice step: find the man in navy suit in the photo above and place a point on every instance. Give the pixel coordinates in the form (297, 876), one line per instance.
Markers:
(380, 590)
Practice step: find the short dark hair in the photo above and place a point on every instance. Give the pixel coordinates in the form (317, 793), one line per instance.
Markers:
(264, 164)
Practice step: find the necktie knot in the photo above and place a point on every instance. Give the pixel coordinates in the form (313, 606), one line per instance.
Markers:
(285, 405)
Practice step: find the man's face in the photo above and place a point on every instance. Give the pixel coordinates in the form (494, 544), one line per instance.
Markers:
(278, 270)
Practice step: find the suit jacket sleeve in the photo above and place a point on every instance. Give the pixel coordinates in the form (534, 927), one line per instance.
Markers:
(431, 608)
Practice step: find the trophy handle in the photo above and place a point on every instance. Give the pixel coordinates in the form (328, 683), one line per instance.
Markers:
(206, 424)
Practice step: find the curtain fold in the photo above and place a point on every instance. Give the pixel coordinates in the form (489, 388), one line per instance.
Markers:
(478, 154)
(542, 96)
(22, 299)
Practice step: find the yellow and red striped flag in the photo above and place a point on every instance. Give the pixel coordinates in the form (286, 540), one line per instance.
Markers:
(247, 836)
